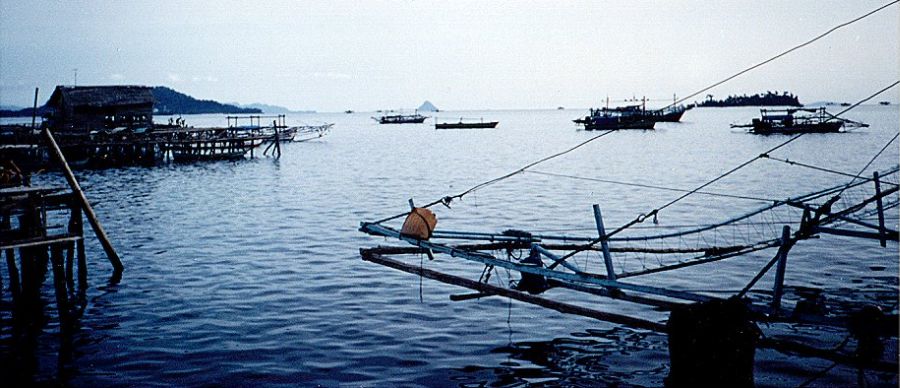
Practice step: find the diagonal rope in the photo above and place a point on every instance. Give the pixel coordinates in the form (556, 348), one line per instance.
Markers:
(446, 200)
(859, 175)
(655, 187)
(817, 168)
(792, 49)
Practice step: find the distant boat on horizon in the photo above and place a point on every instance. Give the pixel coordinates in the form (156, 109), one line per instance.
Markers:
(884, 103)
(463, 124)
(401, 119)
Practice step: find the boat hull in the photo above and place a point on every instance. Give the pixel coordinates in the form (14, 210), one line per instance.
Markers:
(492, 124)
(764, 128)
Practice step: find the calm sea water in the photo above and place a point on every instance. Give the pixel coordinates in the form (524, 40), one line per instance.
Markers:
(248, 272)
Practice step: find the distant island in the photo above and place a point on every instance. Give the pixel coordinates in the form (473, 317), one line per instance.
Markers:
(266, 108)
(168, 102)
(768, 99)
(427, 106)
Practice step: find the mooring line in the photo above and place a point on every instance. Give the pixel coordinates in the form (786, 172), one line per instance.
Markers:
(833, 29)
(654, 186)
(859, 175)
(823, 169)
(447, 199)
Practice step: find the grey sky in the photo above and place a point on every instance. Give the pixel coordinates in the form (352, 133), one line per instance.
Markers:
(332, 55)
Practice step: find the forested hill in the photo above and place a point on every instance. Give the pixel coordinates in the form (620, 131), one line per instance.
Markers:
(768, 99)
(170, 102)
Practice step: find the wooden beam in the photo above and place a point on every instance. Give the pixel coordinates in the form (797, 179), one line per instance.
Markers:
(85, 205)
(517, 295)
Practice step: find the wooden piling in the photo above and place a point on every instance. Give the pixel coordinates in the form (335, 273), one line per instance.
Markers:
(778, 289)
(85, 205)
(878, 203)
(11, 268)
(277, 141)
(604, 244)
(59, 283)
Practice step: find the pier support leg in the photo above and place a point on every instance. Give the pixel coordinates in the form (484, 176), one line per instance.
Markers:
(712, 344)
(11, 268)
(59, 283)
(878, 202)
(85, 205)
(70, 264)
(604, 244)
(778, 289)
(78, 228)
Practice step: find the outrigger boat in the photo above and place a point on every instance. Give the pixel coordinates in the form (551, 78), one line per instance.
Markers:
(309, 132)
(462, 124)
(401, 119)
(797, 120)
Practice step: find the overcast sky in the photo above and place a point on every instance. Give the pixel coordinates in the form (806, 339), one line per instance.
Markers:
(367, 55)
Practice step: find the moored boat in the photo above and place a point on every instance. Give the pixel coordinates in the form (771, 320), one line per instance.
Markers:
(797, 120)
(466, 124)
(401, 119)
(627, 117)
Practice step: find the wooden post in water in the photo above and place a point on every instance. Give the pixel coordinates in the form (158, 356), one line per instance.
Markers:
(277, 141)
(34, 109)
(778, 289)
(604, 244)
(59, 283)
(881, 231)
(85, 205)
(77, 226)
(11, 268)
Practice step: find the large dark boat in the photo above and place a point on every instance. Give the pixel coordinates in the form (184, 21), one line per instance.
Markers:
(627, 117)
(670, 114)
(464, 124)
(401, 119)
(797, 120)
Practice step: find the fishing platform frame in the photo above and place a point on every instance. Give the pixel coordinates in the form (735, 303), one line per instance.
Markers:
(557, 271)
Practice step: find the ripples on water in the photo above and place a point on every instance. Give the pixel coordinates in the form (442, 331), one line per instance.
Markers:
(248, 272)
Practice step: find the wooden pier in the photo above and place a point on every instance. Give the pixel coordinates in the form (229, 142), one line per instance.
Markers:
(45, 225)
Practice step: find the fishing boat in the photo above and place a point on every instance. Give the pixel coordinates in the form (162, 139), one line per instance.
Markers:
(466, 124)
(670, 114)
(627, 117)
(401, 119)
(309, 132)
(797, 120)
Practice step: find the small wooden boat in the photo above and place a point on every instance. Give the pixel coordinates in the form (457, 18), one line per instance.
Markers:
(464, 124)
(401, 119)
(309, 132)
(797, 120)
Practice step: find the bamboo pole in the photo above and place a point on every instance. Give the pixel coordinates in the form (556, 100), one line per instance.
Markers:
(880, 209)
(11, 268)
(520, 296)
(34, 109)
(59, 283)
(778, 288)
(85, 205)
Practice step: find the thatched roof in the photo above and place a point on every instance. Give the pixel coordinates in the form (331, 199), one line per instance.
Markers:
(98, 96)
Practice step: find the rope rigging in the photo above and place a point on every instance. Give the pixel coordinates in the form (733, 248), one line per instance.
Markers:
(714, 194)
(792, 49)
(817, 168)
